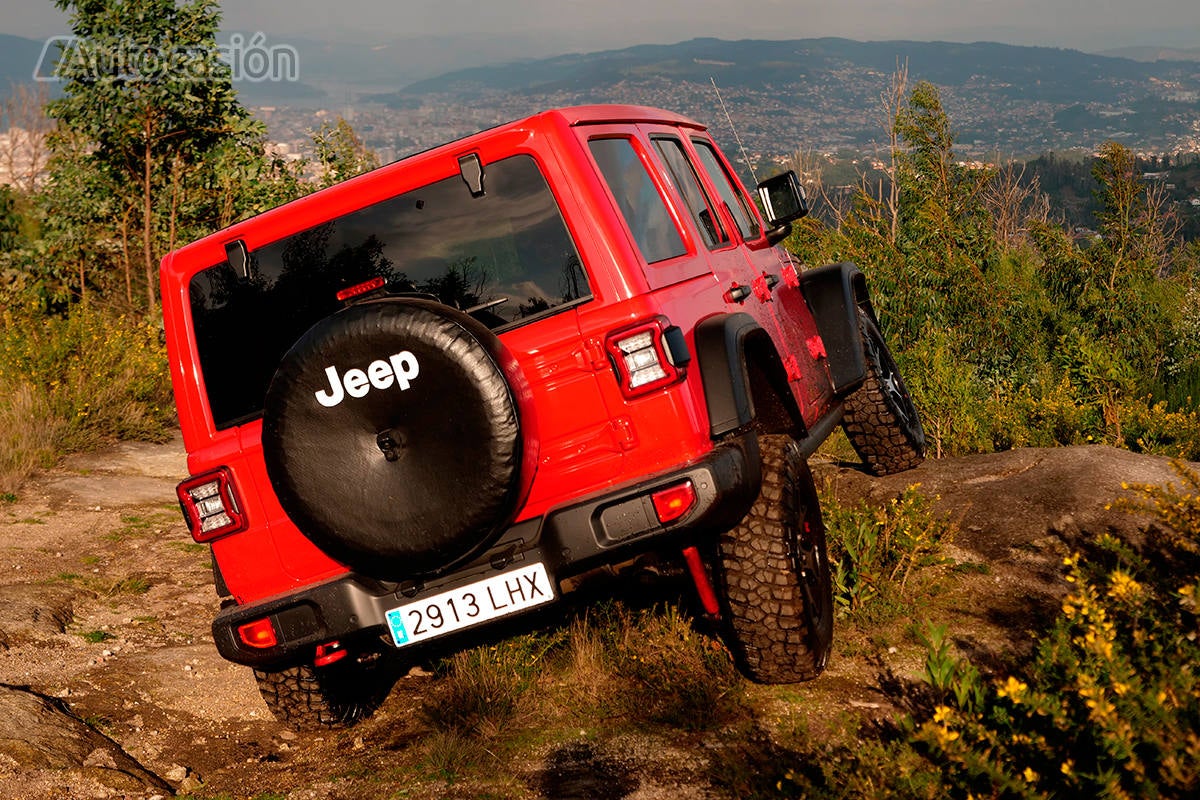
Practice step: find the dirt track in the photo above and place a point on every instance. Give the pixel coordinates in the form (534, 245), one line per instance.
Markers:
(105, 607)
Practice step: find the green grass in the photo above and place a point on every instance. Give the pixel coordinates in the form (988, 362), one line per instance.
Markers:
(880, 554)
(133, 585)
(96, 637)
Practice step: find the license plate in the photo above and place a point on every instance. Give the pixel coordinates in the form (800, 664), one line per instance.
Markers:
(490, 598)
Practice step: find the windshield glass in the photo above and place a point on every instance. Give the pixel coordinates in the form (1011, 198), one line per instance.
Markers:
(505, 258)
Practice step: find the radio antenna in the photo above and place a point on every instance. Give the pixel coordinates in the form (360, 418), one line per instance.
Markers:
(736, 138)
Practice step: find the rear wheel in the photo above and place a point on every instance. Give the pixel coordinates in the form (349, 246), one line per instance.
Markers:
(880, 419)
(774, 576)
(308, 698)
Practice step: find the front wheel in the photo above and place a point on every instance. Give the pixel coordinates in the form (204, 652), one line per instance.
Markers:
(773, 574)
(307, 698)
(880, 419)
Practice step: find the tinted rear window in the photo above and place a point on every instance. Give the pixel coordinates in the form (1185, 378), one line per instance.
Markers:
(505, 257)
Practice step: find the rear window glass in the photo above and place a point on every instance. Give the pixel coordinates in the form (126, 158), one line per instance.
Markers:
(505, 258)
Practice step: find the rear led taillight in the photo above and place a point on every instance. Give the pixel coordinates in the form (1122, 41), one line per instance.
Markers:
(673, 502)
(210, 506)
(648, 356)
(259, 634)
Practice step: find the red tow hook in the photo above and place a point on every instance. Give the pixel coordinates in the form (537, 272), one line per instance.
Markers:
(329, 654)
(704, 587)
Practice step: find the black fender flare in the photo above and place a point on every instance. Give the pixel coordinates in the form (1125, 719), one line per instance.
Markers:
(835, 293)
(726, 344)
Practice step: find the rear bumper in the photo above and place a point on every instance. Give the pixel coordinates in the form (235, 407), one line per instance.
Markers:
(605, 529)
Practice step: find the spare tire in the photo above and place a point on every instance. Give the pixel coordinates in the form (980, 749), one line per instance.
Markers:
(392, 435)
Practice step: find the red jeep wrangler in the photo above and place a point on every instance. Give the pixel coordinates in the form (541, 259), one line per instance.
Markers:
(420, 406)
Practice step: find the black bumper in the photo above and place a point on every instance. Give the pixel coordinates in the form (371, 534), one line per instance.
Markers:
(606, 529)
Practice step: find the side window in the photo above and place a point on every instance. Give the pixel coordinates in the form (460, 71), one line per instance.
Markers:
(699, 204)
(733, 199)
(643, 207)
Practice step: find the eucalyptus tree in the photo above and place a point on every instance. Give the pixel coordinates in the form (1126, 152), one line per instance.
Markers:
(147, 102)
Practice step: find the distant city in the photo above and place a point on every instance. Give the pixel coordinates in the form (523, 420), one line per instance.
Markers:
(820, 96)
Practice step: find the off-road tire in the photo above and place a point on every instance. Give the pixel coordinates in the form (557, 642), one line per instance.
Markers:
(880, 419)
(773, 574)
(307, 698)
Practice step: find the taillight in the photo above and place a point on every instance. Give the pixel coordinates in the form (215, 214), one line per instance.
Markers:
(649, 356)
(259, 634)
(210, 505)
(673, 502)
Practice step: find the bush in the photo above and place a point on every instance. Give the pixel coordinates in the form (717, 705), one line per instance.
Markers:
(483, 687)
(1153, 428)
(77, 381)
(30, 434)
(1110, 706)
(875, 550)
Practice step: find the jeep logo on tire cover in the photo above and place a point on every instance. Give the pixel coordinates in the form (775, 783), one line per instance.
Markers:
(399, 369)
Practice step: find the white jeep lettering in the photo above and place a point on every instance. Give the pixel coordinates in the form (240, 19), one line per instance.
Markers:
(356, 382)
(400, 369)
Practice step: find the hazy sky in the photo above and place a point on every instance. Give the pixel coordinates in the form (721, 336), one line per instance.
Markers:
(572, 25)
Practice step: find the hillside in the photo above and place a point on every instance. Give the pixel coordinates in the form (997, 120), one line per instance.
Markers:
(104, 614)
(1155, 53)
(1035, 74)
(813, 93)
(824, 93)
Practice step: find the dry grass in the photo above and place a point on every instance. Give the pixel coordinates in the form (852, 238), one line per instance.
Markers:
(30, 434)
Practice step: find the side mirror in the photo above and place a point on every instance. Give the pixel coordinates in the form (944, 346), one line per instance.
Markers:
(783, 199)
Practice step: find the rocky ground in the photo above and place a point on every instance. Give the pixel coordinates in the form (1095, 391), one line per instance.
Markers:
(110, 685)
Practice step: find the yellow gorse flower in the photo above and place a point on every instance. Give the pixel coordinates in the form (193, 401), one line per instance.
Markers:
(1013, 689)
(1123, 587)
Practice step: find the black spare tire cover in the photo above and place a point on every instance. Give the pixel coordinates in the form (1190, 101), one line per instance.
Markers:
(392, 436)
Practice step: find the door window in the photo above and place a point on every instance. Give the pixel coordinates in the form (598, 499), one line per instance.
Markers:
(735, 201)
(702, 209)
(640, 203)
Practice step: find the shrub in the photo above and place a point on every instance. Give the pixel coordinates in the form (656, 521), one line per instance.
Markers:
(1153, 428)
(874, 550)
(74, 382)
(1110, 705)
(30, 433)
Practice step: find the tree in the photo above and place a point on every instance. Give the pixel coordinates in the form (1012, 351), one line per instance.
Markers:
(341, 154)
(943, 214)
(1137, 225)
(146, 102)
